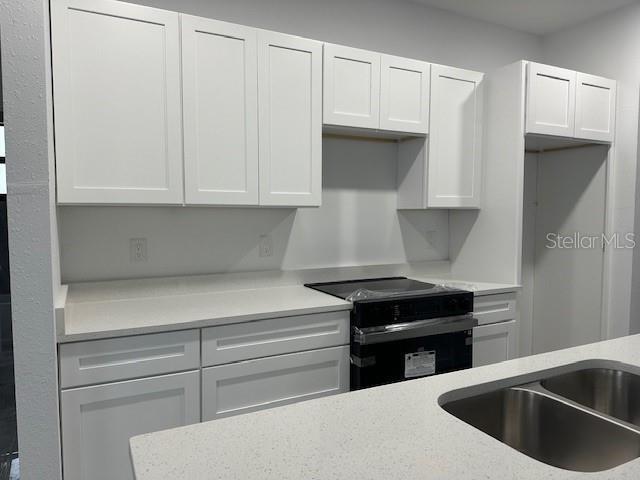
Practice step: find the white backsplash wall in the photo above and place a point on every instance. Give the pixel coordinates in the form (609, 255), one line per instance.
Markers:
(358, 224)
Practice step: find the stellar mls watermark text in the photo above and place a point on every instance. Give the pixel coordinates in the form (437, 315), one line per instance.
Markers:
(579, 240)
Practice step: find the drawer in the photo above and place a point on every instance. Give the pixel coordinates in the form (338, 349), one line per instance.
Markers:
(264, 338)
(495, 308)
(102, 361)
(270, 382)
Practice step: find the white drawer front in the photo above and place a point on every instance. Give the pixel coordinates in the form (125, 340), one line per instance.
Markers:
(495, 308)
(270, 382)
(113, 359)
(244, 341)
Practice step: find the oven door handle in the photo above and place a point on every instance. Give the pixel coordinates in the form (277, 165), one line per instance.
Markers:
(420, 328)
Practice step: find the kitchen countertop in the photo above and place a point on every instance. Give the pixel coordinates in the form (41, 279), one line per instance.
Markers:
(396, 431)
(111, 318)
(97, 310)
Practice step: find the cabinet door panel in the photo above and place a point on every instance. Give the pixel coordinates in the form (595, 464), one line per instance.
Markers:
(595, 108)
(351, 87)
(494, 308)
(404, 95)
(494, 343)
(273, 381)
(112, 359)
(276, 336)
(455, 142)
(551, 95)
(116, 71)
(97, 422)
(290, 120)
(220, 89)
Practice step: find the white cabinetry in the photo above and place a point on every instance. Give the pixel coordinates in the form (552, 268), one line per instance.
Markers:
(495, 339)
(116, 75)
(264, 338)
(250, 100)
(116, 388)
(112, 359)
(404, 95)
(364, 89)
(494, 343)
(551, 96)
(595, 108)
(290, 120)
(445, 171)
(273, 381)
(220, 111)
(351, 87)
(98, 421)
(570, 104)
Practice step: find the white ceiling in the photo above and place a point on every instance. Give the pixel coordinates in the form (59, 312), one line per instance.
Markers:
(534, 16)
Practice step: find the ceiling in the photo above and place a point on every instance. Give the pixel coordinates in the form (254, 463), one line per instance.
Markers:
(533, 16)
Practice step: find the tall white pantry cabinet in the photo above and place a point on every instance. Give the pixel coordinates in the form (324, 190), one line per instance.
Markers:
(251, 105)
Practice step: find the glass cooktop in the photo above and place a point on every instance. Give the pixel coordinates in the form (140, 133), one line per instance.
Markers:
(373, 288)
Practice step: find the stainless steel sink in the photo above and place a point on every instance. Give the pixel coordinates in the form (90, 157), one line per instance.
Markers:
(586, 419)
(613, 392)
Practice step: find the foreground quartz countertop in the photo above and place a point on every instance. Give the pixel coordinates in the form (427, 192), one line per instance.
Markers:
(119, 308)
(392, 432)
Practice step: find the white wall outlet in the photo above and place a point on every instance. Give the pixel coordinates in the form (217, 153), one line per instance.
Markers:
(265, 247)
(430, 236)
(138, 250)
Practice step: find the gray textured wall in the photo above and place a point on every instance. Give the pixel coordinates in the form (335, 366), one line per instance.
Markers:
(32, 231)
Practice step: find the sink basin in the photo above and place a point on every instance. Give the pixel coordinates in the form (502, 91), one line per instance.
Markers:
(612, 392)
(549, 430)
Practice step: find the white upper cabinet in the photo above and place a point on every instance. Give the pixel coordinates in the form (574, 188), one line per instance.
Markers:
(551, 95)
(455, 140)
(595, 108)
(116, 75)
(351, 87)
(364, 89)
(404, 95)
(569, 104)
(220, 111)
(290, 120)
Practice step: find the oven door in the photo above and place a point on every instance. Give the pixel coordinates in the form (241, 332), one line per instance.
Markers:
(399, 352)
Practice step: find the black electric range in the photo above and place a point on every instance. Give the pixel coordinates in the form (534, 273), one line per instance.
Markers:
(403, 328)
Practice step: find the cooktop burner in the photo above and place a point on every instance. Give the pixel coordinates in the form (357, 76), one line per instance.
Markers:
(374, 288)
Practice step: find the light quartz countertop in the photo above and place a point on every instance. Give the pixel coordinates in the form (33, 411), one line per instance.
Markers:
(397, 431)
(97, 310)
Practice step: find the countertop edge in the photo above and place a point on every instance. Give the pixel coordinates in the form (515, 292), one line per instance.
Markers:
(63, 338)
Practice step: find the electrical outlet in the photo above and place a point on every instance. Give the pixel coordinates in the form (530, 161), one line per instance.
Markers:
(138, 250)
(265, 247)
(430, 236)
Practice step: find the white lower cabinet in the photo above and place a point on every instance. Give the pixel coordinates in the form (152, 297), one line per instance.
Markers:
(98, 421)
(494, 343)
(251, 385)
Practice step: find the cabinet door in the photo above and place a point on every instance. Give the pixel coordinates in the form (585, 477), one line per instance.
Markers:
(220, 105)
(404, 95)
(494, 343)
(273, 381)
(455, 142)
(290, 120)
(116, 73)
(595, 108)
(551, 95)
(494, 308)
(351, 87)
(97, 422)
